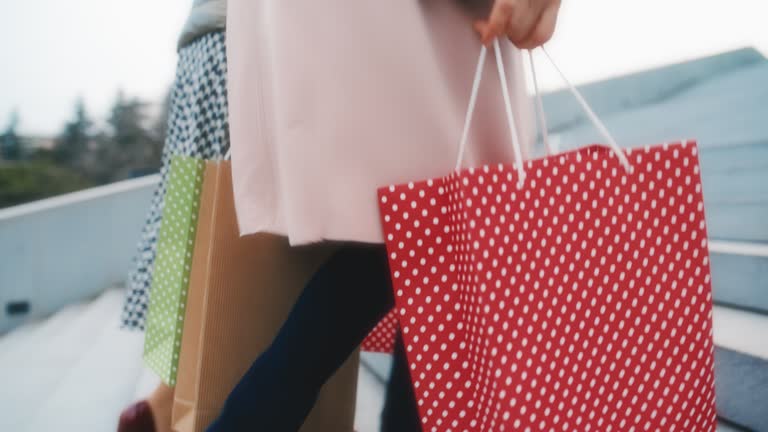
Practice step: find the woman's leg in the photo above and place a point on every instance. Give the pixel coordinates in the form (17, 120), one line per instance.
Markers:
(400, 413)
(339, 306)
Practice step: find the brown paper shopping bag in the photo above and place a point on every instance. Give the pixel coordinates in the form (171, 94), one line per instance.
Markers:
(241, 291)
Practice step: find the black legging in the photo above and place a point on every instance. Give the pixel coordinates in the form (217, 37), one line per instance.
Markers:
(400, 413)
(339, 306)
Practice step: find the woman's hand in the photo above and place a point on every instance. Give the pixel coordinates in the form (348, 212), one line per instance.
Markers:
(527, 23)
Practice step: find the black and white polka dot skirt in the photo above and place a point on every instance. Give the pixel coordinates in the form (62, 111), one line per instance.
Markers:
(197, 126)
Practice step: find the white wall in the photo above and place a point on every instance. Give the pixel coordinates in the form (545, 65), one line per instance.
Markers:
(65, 249)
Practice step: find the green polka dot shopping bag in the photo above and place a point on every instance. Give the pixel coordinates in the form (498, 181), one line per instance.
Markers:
(170, 281)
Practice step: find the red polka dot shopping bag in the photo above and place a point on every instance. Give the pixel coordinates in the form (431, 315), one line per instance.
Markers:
(568, 293)
(382, 337)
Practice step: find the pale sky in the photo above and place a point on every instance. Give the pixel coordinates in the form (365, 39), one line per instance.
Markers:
(56, 50)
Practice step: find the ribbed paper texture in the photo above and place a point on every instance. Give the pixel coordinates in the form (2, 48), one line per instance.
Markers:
(243, 289)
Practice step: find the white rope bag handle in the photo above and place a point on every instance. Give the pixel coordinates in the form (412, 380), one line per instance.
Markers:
(539, 108)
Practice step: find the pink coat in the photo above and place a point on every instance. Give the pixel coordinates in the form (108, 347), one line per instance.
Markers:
(331, 99)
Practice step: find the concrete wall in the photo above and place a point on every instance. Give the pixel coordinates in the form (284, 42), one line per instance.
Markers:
(65, 249)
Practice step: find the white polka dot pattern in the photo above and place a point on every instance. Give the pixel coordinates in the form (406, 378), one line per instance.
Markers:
(170, 280)
(578, 301)
(382, 337)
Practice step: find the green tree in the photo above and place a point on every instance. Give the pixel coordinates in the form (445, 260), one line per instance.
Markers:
(130, 145)
(160, 129)
(33, 180)
(73, 144)
(10, 142)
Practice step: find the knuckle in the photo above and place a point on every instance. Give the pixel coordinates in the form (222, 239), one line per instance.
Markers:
(541, 36)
